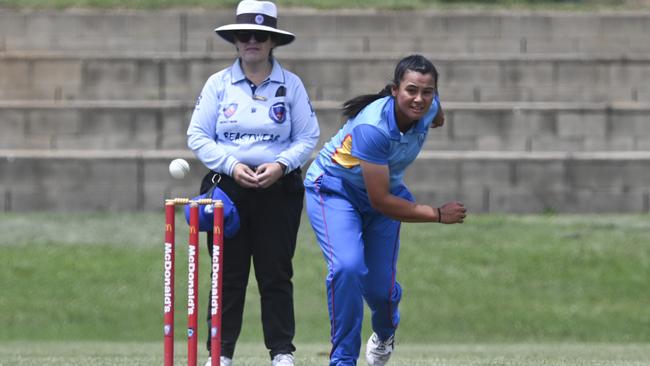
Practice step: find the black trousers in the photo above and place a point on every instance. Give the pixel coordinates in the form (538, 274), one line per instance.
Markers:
(269, 227)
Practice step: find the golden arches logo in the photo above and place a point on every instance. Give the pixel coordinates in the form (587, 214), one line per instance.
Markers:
(192, 229)
(217, 229)
(169, 228)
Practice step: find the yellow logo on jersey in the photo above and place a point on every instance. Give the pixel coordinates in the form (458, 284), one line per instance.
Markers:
(343, 156)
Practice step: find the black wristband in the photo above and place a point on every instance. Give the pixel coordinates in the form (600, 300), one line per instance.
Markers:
(439, 215)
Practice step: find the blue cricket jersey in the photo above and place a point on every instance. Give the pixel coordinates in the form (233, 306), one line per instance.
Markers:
(372, 136)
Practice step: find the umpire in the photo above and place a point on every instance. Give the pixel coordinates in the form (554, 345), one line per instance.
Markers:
(253, 127)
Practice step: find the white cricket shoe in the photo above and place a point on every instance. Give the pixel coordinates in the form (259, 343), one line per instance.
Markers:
(283, 360)
(225, 361)
(378, 352)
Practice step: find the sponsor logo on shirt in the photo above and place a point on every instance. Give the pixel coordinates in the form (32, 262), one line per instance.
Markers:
(310, 107)
(229, 110)
(250, 137)
(277, 112)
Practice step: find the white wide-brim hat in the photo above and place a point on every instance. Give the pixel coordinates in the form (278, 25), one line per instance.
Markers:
(256, 15)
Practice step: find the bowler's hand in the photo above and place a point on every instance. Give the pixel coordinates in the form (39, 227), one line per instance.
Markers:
(453, 213)
(245, 176)
(268, 173)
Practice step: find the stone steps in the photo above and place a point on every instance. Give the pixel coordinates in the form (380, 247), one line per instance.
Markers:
(162, 125)
(546, 111)
(520, 182)
(464, 78)
(323, 32)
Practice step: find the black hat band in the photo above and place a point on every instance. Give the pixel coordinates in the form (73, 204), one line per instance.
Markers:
(259, 19)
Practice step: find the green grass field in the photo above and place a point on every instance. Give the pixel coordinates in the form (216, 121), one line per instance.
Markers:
(497, 290)
(144, 354)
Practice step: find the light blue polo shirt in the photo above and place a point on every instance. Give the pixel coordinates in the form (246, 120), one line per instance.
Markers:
(372, 136)
(234, 121)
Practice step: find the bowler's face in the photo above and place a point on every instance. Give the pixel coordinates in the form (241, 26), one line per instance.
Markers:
(413, 96)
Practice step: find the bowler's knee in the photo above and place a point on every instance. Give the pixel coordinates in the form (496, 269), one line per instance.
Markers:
(349, 268)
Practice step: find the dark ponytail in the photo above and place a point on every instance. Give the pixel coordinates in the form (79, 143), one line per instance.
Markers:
(353, 106)
(417, 63)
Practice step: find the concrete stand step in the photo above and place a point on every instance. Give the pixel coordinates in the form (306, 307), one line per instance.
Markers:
(131, 180)
(338, 76)
(162, 125)
(323, 32)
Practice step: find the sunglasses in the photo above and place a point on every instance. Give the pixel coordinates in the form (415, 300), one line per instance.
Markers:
(245, 36)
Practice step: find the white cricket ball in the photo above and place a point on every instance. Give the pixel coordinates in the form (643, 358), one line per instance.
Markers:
(179, 168)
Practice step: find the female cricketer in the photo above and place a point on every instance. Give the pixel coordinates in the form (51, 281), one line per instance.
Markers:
(356, 200)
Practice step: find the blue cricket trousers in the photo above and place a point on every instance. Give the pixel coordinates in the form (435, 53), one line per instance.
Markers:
(360, 246)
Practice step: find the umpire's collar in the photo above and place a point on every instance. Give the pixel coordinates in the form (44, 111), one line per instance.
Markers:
(237, 74)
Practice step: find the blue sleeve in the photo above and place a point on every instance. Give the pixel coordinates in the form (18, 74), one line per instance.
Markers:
(371, 144)
(436, 104)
